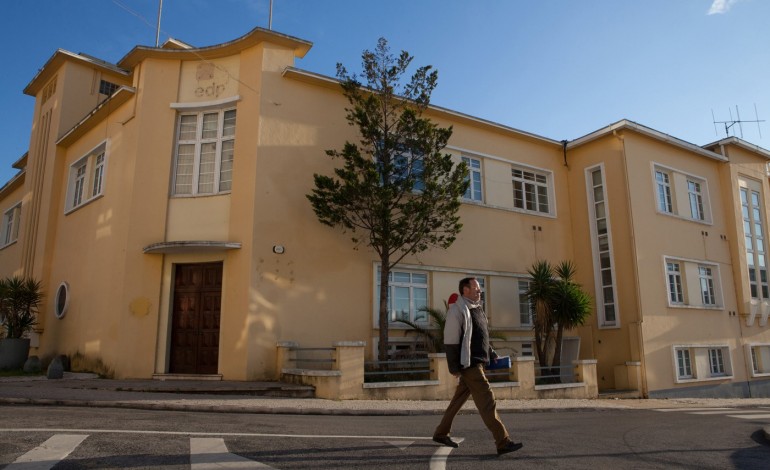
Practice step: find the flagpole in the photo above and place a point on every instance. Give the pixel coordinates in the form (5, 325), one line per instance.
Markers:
(157, 31)
(270, 21)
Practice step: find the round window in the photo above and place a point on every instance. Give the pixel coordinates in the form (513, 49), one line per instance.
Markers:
(62, 299)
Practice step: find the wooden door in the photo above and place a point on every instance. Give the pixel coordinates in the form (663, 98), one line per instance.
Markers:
(195, 319)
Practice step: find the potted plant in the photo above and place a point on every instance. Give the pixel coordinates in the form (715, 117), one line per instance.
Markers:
(19, 301)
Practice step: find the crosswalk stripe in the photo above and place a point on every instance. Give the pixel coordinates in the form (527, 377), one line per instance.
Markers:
(687, 410)
(212, 453)
(438, 459)
(49, 453)
(757, 416)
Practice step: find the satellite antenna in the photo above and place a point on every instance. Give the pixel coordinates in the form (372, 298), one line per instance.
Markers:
(737, 120)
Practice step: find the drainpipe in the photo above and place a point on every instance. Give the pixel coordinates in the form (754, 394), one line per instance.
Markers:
(639, 319)
(564, 150)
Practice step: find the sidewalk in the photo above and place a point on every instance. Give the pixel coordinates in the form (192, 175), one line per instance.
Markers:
(87, 390)
(78, 389)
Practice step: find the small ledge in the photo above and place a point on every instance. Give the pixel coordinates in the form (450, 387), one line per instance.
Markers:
(312, 373)
(411, 383)
(503, 384)
(558, 386)
(194, 246)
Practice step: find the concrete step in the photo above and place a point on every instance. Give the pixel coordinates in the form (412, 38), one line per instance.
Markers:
(619, 394)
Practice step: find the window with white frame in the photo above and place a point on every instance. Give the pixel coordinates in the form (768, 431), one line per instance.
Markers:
(9, 232)
(760, 359)
(674, 272)
(474, 191)
(107, 88)
(683, 364)
(407, 296)
(706, 278)
(204, 153)
(606, 305)
(716, 362)
(681, 194)
(86, 178)
(695, 196)
(754, 236)
(702, 362)
(531, 190)
(525, 305)
(662, 180)
(692, 283)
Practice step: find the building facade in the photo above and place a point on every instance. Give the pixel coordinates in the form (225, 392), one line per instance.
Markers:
(162, 204)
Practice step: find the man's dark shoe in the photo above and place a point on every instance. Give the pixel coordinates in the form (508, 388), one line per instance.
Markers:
(446, 440)
(510, 447)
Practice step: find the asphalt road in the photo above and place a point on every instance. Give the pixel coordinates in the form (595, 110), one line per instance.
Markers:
(639, 439)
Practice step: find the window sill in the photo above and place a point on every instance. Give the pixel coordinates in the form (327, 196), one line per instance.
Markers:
(12, 242)
(706, 379)
(187, 196)
(686, 219)
(470, 202)
(760, 374)
(73, 209)
(715, 308)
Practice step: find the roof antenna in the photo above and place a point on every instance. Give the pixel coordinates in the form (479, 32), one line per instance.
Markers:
(732, 122)
(157, 30)
(270, 21)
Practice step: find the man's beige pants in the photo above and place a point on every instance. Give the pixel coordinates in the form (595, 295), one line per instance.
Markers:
(474, 383)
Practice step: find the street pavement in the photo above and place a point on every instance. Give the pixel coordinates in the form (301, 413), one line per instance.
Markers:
(88, 390)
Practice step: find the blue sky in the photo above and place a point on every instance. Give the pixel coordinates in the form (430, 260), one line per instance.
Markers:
(556, 68)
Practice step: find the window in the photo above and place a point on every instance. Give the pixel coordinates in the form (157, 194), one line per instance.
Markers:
(716, 363)
(674, 272)
(601, 240)
(107, 88)
(664, 191)
(760, 359)
(692, 283)
(204, 153)
(530, 191)
(408, 293)
(525, 306)
(474, 176)
(684, 366)
(86, 178)
(10, 227)
(680, 194)
(706, 285)
(702, 362)
(696, 200)
(753, 231)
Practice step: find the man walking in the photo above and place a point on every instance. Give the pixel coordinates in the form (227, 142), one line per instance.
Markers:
(466, 337)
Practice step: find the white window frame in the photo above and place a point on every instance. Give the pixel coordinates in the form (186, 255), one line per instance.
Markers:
(675, 196)
(87, 178)
(674, 280)
(663, 192)
(540, 180)
(703, 368)
(602, 249)
(9, 233)
(683, 363)
(476, 179)
(691, 282)
(221, 140)
(695, 198)
(706, 281)
(754, 238)
(759, 354)
(525, 318)
(716, 362)
(421, 318)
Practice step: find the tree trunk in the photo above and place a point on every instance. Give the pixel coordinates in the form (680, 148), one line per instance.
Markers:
(557, 354)
(384, 313)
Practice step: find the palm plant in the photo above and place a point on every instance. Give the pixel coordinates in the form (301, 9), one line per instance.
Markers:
(540, 294)
(571, 304)
(434, 338)
(19, 301)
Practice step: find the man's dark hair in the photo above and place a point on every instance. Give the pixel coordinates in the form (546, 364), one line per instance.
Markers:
(465, 282)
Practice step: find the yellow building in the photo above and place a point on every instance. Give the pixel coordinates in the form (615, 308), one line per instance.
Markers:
(162, 203)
